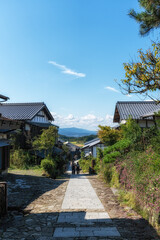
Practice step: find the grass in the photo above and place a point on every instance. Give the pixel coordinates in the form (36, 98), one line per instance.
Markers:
(78, 144)
(35, 171)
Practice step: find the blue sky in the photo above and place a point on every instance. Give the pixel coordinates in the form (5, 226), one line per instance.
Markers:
(65, 53)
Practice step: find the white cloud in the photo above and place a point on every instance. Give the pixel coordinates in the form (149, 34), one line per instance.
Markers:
(112, 89)
(66, 70)
(128, 95)
(70, 117)
(89, 121)
(88, 117)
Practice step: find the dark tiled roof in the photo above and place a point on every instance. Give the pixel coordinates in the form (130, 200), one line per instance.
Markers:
(134, 109)
(92, 143)
(23, 111)
(150, 114)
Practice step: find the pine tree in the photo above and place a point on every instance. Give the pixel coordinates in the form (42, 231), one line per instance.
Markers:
(148, 19)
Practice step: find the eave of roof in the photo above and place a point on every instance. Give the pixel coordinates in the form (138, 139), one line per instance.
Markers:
(4, 143)
(151, 114)
(93, 140)
(93, 143)
(4, 97)
(40, 124)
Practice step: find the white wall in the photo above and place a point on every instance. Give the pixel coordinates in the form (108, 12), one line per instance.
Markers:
(87, 150)
(40, 117)
(150, 124)
(142, 123)
(95, 149)
(27, 127)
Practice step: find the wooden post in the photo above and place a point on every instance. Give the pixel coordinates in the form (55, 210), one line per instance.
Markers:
(3, 199)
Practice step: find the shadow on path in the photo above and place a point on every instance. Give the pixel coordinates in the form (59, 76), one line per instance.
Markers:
(24, 189)
(49, 226)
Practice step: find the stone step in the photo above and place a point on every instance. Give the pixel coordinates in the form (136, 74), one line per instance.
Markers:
(84, 217)
(86, 232)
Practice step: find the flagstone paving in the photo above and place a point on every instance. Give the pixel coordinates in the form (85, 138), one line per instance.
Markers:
(80, 207)
(80, 195)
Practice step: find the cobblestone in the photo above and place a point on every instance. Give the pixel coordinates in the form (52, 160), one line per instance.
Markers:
(43, 208)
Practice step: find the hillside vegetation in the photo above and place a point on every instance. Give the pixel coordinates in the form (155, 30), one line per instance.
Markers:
(132, 165)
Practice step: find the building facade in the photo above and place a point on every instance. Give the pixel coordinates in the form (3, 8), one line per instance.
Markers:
(141, 111)
(90, 147)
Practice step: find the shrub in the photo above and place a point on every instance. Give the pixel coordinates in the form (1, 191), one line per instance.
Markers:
(86, 164)
(107, 172)
(115, 178)
(131, 130)
(127, 198)
(140, 173)
(98, 161)
(60, 163)
(111, 157)
(121, 146)
(49, 167)
(21, 158)
(155, 142)
(82, 155)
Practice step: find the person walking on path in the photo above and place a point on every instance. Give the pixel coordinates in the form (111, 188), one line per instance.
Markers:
(77, 168)
(73, 168)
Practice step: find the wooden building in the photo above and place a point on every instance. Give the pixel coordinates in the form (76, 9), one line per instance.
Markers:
(33, 117)
(74, 150)
(141, 111)
(90, 147)
(6, 127)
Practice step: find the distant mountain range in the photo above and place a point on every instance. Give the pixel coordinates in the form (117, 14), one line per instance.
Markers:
(76, 132)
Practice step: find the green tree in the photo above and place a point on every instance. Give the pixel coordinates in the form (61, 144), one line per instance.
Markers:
(108, 135)
(82, 155)
(46, 141)
(143, 76)
(149, 19)
(131, 130)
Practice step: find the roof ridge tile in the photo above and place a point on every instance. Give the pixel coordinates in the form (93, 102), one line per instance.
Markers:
(22, 104)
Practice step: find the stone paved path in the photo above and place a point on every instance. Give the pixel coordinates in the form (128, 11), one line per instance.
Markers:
(80, 207)
(80, 195)
(92, 221)
(34, 207)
